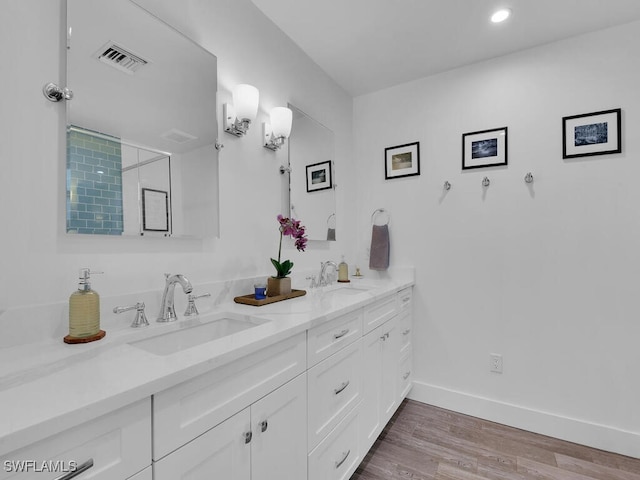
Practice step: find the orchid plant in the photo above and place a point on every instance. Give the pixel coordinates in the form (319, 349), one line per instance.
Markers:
(292, 228)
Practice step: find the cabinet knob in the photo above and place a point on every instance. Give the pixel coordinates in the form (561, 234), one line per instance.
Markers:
(248, 436)
(264, 425)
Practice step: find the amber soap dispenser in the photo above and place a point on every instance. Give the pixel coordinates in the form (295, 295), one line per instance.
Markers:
(84, 312)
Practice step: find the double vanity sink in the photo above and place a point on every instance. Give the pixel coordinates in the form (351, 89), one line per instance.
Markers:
(215, 376)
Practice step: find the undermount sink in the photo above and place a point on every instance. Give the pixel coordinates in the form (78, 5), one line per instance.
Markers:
(347, 290)
(192, 336)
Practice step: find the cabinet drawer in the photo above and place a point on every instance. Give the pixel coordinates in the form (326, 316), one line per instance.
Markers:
(119, 444)
(189, 409)
(405, 330)
(338, 455)
(379, 312)
(404, 298)
(328, 338)
(405, 374)
(334, 388)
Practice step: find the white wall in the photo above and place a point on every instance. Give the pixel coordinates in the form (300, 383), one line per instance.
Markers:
(39, 262)
(547, 275)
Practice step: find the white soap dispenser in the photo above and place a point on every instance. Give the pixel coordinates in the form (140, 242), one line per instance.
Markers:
(84, 312)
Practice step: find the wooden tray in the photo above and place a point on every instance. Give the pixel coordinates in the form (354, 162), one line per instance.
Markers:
(71, 340)
(251, 299)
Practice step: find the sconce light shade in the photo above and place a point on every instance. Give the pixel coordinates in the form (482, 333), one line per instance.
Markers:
(281, 118)
(238, 117)
(245, 101)
(280, 128)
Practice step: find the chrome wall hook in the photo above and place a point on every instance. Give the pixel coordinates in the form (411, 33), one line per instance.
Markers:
(284, 169)
(447, 185)
(54, 93)
(486, 182)
(528, 178)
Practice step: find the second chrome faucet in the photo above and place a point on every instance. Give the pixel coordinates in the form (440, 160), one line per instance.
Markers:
(167, 309)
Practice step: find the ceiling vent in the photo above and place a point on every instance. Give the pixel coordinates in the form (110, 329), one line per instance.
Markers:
(177, 136)
(118, 57)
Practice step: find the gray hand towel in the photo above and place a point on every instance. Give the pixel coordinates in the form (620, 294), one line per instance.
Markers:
(331, 234)
(379, 254)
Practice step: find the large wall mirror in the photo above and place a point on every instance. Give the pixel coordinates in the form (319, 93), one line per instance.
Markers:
(141, 157)
(312, 176)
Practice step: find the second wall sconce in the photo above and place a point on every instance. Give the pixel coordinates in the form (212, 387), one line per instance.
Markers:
(238, 117)
(275, 133)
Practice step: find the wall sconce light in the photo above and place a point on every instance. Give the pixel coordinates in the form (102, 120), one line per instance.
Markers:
(278, 130)
(238, 117)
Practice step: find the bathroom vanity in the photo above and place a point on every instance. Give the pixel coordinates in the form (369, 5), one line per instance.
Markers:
(292, 390)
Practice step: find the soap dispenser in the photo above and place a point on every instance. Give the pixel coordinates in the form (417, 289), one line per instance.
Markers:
(84, 312)
(343, 271)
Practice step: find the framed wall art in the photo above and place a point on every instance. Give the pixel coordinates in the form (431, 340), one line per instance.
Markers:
(319, 176)
(486, 148)
(402, 161)
(155, 210)
(589, 134)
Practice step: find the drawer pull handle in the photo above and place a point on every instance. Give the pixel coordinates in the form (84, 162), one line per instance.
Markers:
(406, 299)
(264, 425)
(344, 457)
(385, 336)
(79, 469)
(407, 331)
(406, 375)
(341, 334)
(341, 387)
(247, 437)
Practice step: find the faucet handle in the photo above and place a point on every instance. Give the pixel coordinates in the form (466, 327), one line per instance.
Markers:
(191, 305)
(313, 283)
(140, 319)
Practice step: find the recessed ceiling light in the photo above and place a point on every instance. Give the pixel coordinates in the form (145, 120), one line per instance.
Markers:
(501, 15)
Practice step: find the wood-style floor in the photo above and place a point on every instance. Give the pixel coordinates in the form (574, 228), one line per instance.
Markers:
(425, 442)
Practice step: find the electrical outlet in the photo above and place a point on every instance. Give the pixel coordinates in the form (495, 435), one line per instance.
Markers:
(495, 362)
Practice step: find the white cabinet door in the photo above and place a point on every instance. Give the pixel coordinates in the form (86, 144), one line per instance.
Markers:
(380, 397)
(389, 369)
(279, 445)
(370, 418)
(222, 452)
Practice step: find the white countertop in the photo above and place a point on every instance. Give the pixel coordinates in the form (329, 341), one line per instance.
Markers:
(50, 386)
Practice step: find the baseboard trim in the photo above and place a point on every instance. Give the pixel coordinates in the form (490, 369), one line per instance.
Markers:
(573, 430)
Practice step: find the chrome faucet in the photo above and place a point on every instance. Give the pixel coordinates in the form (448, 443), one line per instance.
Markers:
(323, 280)
(167, 310)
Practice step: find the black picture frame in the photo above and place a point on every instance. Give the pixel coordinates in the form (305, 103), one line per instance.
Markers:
(402, 161)
(319, 176)
(485, 148)
(155, 210)
(590, 134)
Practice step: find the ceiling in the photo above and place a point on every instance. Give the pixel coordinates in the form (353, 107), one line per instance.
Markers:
(368, 45)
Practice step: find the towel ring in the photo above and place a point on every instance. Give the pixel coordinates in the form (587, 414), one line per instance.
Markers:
(333, 215)
(381, 210)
